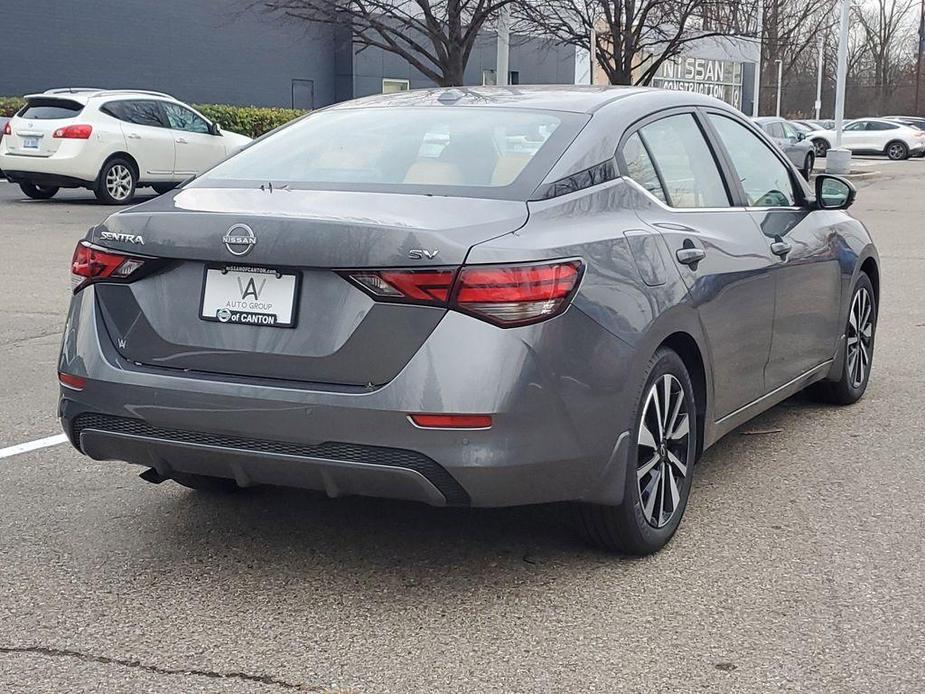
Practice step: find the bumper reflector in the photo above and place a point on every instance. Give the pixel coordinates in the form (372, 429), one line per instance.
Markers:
(73, 382)
(451, 421)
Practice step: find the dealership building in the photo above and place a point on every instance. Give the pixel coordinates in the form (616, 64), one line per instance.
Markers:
(224, 51)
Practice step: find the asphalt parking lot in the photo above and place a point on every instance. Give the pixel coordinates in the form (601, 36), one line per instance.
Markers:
(800, 564)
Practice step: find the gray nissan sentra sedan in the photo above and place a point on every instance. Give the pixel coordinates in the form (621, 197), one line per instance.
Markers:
(486, 297)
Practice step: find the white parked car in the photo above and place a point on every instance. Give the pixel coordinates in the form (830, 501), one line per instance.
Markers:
(109, 141)
(873, 136)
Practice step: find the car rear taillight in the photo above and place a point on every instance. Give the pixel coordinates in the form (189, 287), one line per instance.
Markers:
(413, 286)
(71, 381)
(73, 132)
(506, 295)
(7, 130)
(90, 264)
(516, 294)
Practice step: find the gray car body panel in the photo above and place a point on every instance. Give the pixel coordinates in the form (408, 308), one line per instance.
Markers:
(562, 393)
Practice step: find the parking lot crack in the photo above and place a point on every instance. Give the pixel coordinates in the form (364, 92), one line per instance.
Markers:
(268, 680)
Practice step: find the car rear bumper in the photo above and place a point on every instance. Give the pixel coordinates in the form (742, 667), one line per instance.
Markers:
(558, 430)
(72, 162)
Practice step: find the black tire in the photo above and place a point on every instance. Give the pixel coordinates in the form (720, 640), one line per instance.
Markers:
(203, 483)
(821, 148)
(161, 188)
(38, 192)
(116, 182)
(848, 388)
(897, 151)
(631, 527)
(808, 165)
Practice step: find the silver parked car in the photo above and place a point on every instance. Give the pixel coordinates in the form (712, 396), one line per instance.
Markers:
(486, 297)
(792, 141)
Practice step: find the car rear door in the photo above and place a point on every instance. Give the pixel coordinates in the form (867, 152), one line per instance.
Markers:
(722, 258)
(805, 244)
(147, 137)
(197, 148)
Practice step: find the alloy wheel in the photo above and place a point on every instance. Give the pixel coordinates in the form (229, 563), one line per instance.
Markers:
(896, 151)
(860, 335)
(119, 182)
(662, 450)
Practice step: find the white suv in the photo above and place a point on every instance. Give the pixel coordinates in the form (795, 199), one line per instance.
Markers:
(873, 136)
(110, 141)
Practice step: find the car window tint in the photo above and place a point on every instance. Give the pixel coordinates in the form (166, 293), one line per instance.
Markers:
(181, 118)
(685, 162)
(50, 109)
(640, 168)
(765, 178)
(857, 125)
(137, 112)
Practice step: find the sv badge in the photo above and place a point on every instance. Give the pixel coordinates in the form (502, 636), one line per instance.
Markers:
(421, 254)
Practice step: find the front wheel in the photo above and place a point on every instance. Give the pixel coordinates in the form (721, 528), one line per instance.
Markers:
(660, 465)
(859, 348)
(808, 165)
(821, 148)
(116, 183)
(38, 192)
(897, 151)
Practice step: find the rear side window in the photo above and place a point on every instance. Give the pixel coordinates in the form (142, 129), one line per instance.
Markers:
(765, 178)
(775, 130)
(683, 162)
(640, 168)
(136, 112)
(50, 109)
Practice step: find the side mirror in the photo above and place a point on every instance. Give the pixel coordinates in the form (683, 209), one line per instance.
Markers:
(215, 129)
(801, 137)
(833, 192)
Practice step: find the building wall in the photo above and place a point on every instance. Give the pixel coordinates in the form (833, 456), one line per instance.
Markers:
(536, 62)
(206, 51)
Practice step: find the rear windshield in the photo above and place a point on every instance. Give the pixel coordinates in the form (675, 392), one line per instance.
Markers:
(50, 109)
(441, 150)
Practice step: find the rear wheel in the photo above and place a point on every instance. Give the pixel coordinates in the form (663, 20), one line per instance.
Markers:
(116, 183)
(203, 483)
(660, 466)
(38, 192)
(859, 349)
(897, 151)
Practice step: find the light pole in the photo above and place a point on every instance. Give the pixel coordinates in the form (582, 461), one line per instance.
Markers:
(757, 82)
(780, 75)
(504, 47)
(838, 160)
(819, 77)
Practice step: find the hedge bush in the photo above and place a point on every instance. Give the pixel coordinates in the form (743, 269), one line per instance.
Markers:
(252, 121)
(10, 105)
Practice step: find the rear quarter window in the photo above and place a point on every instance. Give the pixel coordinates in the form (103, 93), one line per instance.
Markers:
(50, 109)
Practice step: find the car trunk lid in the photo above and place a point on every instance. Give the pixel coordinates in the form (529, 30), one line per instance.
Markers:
(338, 334)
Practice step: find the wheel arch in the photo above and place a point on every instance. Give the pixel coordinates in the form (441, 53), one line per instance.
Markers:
(872, 270)
(686, 347)
(121, 155)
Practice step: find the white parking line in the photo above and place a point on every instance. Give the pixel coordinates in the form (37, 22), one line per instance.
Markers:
(32, 445)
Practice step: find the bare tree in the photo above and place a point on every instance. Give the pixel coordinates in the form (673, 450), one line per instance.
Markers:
(634, 38)
(435, 36)
(887, 27)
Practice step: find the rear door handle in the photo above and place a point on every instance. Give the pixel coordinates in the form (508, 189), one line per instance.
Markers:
(133, 136)
(689, 255)
(781, 248)
(181, 140)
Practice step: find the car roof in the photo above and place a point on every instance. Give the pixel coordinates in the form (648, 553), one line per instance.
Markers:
(83, 95)
(573, 98)
(768, 119)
